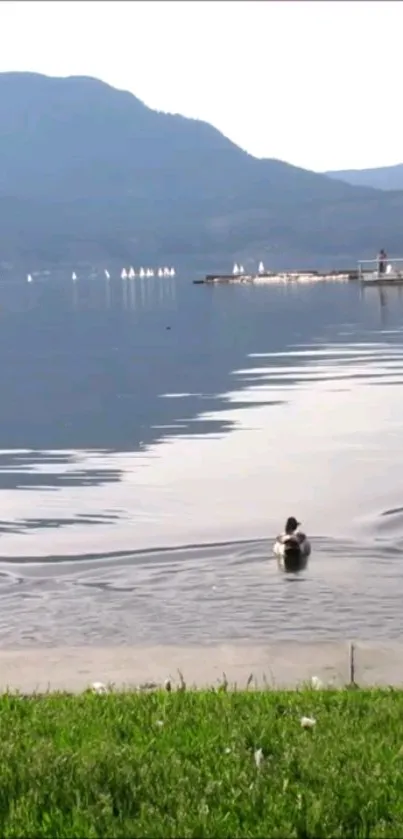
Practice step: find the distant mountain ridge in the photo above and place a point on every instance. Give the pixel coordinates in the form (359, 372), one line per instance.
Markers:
(385, 177)
(91, 174)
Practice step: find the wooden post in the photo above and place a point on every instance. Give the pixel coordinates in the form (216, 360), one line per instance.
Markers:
(352, 663)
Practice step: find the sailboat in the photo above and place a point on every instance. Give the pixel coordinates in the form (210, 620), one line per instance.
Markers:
(132, 273)
(160, 272)
(172, 272)
(241, 269)
(142, 272)
(166, 271)
(124, 274)
(149, 272)
(235, 269)
(261, 268)
(74, 276)
(29, 278)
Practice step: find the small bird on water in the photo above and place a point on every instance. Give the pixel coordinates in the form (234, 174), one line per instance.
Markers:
(292, 547)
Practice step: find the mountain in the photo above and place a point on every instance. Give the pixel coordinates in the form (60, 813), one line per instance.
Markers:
(90, 174)
(386, 177)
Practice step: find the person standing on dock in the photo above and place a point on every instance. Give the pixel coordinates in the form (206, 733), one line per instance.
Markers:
(382, 259)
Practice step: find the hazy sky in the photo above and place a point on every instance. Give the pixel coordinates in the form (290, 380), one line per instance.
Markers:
(317, 84)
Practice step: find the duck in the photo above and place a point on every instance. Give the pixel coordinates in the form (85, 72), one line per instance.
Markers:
(292, 548)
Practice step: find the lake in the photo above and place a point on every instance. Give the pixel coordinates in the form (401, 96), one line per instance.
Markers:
(155, 435)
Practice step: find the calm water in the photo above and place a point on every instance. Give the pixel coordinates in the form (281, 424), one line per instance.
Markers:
(154, 436)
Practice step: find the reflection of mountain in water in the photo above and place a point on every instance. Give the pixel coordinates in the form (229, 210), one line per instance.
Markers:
(36, 470)
(85, 365)
(30, 470)
(96, 372)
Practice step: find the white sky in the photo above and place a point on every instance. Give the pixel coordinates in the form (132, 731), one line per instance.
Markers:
(317, 84)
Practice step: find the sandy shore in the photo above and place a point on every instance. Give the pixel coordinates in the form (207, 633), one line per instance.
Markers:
(277, 665)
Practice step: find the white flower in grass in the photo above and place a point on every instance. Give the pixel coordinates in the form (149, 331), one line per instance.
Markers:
(99, 687)
(159, 723)
(316, 683)
(258, 757)
(308, 722)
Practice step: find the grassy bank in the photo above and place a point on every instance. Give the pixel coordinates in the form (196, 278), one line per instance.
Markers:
(203, 764)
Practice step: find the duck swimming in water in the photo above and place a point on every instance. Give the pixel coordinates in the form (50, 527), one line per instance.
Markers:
(292, 547)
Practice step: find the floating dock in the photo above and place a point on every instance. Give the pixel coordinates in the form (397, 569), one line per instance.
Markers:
(271, 277)
(383, 281)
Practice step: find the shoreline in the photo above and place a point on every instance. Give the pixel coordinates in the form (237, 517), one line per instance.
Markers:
(273, 665)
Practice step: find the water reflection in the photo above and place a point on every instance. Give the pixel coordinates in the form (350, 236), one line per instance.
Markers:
(121, 434)
(78, 374)
(167, 436)
(33, 470)
(388, 299)
(129, 294)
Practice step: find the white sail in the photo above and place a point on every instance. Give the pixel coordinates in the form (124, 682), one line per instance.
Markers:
(151, 272)
(107, 274)
(160, 272)
(124, 274)
(132, 273)
(241, 269)
(74, 276)
(166, 271)
(29, 278)
(261, 268)
(235, 269)
(172, 272)
(141, 272)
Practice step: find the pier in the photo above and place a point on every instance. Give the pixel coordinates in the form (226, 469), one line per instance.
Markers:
(369, 272)
(268, 277)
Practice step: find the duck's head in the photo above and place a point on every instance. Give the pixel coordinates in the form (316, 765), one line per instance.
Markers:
(291, 525)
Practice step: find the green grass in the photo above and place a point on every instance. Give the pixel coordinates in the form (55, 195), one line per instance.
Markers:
(183, 764)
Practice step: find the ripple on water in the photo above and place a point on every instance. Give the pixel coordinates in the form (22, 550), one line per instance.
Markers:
(208, 594)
